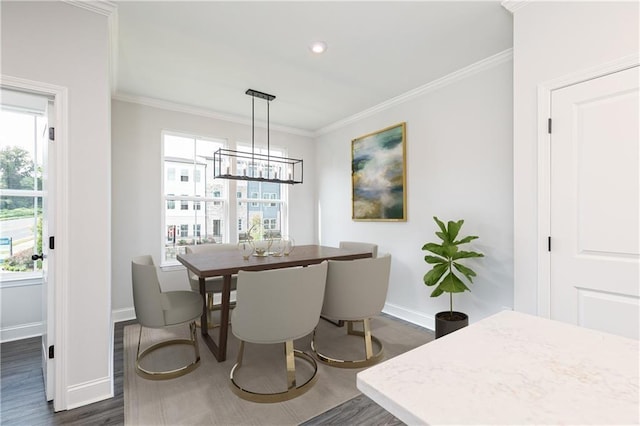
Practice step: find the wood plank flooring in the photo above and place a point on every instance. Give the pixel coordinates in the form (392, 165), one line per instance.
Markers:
(22, 400)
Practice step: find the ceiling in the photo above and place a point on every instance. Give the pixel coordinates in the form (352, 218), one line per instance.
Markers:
(206, 54)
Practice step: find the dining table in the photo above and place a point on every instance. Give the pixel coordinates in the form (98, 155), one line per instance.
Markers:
(229, 262)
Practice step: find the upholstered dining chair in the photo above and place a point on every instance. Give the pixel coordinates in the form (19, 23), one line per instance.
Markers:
(354, 245)
(356, 291)
(295, 298)
(214, 284)
(157, 309)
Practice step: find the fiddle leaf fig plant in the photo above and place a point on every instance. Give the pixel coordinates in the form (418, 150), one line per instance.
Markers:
(447, 271)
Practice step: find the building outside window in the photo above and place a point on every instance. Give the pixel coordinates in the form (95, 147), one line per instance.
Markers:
(184, 175)
(171, 173)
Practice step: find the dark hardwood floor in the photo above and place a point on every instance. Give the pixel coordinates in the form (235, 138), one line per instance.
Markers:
(22, 400)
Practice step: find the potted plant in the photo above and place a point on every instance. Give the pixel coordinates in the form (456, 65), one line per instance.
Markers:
(447, 272)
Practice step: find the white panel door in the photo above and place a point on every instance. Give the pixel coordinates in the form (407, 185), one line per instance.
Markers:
(595, 197)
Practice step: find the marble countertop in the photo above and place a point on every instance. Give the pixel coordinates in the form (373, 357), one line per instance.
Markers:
(515, 369)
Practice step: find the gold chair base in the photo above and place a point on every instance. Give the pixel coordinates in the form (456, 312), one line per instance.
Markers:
(370, 359)
(292, 391)
(170, 374)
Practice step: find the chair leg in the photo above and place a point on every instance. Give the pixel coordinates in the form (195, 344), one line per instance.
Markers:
(293, 390)
(169, 374)
(369, 339)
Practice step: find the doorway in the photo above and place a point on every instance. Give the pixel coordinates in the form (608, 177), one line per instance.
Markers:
(27, 220)
(594, 196)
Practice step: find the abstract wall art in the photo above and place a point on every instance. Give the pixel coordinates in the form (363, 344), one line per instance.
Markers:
(378, 175)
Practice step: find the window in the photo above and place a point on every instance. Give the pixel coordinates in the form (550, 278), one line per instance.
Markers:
(22, 135)
(257, 207)
(216, 227)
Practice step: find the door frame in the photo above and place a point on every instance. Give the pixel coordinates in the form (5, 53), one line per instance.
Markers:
(545, 90)
(61, 259)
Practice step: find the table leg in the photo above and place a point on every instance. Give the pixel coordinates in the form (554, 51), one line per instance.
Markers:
(218, 350)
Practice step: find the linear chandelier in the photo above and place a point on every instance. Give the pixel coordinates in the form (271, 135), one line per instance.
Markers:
(252, 166)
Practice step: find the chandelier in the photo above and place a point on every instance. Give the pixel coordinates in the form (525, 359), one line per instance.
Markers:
(256, 166)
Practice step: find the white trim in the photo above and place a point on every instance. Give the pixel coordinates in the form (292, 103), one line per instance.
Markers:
(451, 78)
(22, 331)
(21, 282)
(177, 107)
(514, 5)
(125, 314)
(414, 317)
(89, 392)
(101, 7)
(61, 270)
(545, 90)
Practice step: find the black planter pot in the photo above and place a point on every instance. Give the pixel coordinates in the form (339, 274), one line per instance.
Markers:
(448, 322)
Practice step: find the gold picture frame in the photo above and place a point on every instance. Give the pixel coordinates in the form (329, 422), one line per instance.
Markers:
(378, 175)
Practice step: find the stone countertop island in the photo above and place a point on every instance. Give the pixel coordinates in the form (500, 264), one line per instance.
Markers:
(515, 369)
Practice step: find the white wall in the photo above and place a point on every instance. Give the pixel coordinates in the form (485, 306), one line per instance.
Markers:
(63, 45)
(551, 40)
(459, 150)
(137, 176)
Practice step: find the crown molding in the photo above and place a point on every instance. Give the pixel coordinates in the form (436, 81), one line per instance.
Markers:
(102, 7)
(513, 5)
(455, 76)
(203, 112)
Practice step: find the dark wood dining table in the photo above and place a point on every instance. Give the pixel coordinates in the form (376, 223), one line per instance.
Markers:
(228, 263)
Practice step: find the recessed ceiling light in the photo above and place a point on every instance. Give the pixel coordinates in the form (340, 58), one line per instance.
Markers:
(318, 47)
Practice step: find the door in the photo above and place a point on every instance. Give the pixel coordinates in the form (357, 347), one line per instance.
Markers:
(47, 254)
(595, 247)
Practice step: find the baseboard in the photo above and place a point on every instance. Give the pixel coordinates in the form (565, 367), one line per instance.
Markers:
(22, 331)
(414, 317)
(89, 392)
(126, 314)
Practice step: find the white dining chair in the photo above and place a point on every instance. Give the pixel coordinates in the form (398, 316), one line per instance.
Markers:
(157, 309)
(355, 245)
(294, 298)
(356, 291)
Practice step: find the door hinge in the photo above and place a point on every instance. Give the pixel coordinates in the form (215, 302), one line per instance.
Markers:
(51, 352)
(549, 126)
(549, 243)
(52, 134)
(52, 241)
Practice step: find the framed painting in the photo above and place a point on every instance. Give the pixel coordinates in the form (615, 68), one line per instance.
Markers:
(378, 175)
